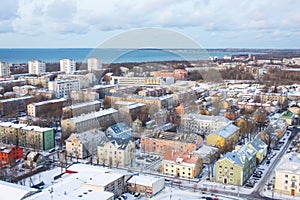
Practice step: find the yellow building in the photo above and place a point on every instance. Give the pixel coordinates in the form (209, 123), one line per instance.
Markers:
(260, 148)
(181, 164)
(117, 152)
(224, 138)
(287, 175)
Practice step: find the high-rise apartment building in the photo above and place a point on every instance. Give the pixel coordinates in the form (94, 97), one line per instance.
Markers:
(36, 67)
(67, 65)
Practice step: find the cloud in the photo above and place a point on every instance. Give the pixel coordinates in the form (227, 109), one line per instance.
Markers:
(8, 9)
(61, 10)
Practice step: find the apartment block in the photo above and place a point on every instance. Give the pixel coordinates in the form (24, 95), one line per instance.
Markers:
(34, 137)
(95, 120)
(159, 142)
(63, 87)
(4, 69)
(36, 67)
(67, 65)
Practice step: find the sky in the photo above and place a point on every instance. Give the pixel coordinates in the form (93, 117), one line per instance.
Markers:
(210, 23)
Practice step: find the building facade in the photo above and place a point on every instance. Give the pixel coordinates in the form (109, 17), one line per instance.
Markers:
(182, 164)
(287, 175)
(95, 120)
(4, 69)
(34, 137)
(9, 154)
(236, 167)
(160, 142)
(36, 67)
(67, 65)
(63, 87)
(94, 64)
(117, 152)
(46, 109)
(201, 124)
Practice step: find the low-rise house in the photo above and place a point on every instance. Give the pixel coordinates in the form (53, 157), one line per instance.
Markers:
(147, 185)
(260, 148)
(181, 164)
(224, 138)
(288, 116)
(287, 175)
(208, 153)
(236, 167)
(9, 154)
(34, 159)
(116, 152)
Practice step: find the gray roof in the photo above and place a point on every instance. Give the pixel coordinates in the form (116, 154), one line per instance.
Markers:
(227, 131)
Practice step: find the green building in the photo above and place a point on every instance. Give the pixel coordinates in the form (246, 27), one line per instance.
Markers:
(236, 167)
(33, 137)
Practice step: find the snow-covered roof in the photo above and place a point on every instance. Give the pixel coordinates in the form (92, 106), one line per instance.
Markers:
(144, 180)
(13, 191)
(289, 163)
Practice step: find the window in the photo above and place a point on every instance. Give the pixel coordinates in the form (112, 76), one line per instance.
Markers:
(286, 176)
(286, 182)
(189, 174)
(231, 173)
(183, 172)
(166, 170)
(231, 168)
(220, 172)
(220, 166)
(220, 177)
(231, 180)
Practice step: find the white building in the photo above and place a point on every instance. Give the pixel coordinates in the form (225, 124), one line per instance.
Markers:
(36, 67)
(63, 87)
(4, 69)
(67, 65)
(94, 64)
(287, 175)
(202, 124)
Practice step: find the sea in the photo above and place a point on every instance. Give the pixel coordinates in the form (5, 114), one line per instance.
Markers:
(51, 55)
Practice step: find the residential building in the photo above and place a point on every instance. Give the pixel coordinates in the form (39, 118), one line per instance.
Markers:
(83, 145)
(260, 148)
(208, 154)
(4, 69)
(36, 67)
(67, 65)
(163, 102)
(101, 119)
(85, 80)
(83, 96)
(129, 111)
(287, 175)
(224, 138)
(102, 90)
(9, 84)
(94, 64)
(41, 81)
(181, 164)
(118, 152)
(18, 104)
(201, 124)
(159, 142)
(282, 99)
(9, 154)
(119, 130)
(27, 136)
(34, 159)
(63, 87)
(24, 90)
(236, 167)
(46, 109)
(141, 81)
(288, 116)
(145, 184)
(81, 108)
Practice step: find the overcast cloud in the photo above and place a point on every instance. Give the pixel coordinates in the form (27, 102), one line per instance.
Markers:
(212, 23)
